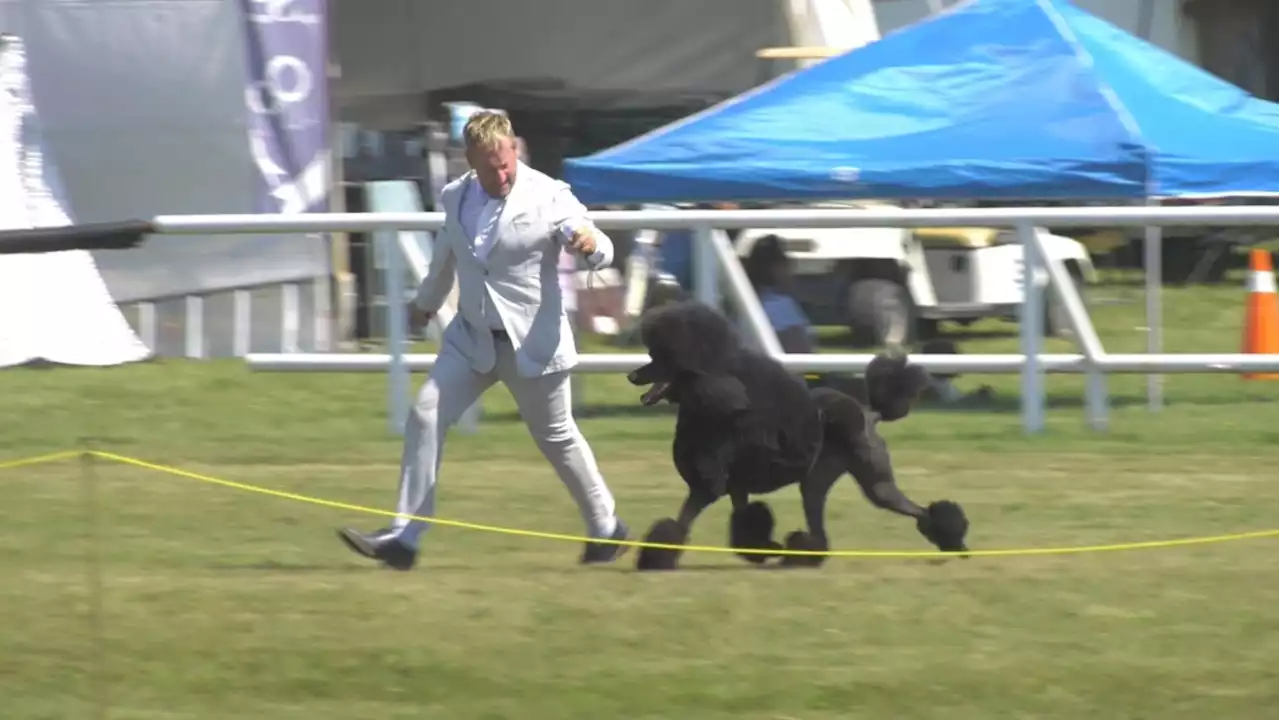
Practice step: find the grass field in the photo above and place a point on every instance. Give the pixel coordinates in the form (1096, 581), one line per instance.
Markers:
(162, 597)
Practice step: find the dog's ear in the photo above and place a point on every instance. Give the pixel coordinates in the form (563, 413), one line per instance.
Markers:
(721, 393)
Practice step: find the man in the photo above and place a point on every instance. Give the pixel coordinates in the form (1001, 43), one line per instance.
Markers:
(505, 226)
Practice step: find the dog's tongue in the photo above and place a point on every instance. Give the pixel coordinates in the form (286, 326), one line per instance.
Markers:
(654, 393)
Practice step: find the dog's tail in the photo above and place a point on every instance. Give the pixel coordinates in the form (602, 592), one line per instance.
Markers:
(893, 384)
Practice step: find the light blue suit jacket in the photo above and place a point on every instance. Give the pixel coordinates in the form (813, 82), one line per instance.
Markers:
(519, 276)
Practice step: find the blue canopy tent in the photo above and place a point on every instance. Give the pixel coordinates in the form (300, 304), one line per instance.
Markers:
(993, 99)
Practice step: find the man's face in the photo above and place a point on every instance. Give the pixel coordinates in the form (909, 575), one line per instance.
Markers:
(495, 167)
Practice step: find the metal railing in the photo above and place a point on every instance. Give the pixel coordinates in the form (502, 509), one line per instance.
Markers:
(714, 259)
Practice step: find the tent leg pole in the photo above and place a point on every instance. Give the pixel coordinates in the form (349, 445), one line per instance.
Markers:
(1153, 271)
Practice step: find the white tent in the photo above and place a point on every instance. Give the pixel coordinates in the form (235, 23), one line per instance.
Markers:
(54, 307)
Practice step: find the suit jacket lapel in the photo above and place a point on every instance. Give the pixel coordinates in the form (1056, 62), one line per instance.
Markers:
(510, 209)
(453, 208)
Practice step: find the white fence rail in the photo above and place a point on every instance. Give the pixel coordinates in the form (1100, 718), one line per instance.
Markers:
(604, 363)
(1030, 363)
(1125, 216)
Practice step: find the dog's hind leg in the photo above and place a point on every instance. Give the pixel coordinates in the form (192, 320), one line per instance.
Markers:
(942, 523)
(668, 531)
(751, 528)
(813, 495)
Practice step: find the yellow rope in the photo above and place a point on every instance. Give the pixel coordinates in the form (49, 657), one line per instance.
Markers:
(1012, 552)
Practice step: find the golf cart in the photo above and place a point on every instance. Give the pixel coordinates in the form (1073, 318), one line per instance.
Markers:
(892, 286)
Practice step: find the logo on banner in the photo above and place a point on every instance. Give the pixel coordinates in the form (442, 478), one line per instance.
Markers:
(287, 100)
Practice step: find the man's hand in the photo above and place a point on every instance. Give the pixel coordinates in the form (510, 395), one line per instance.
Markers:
(418, 318)
(583, 241)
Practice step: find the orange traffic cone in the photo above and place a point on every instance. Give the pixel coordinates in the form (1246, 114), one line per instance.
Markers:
(1261, 317)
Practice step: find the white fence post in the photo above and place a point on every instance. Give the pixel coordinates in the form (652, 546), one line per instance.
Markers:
(744, 296)
(289, 318)
(1086, 338)
(241, 322)
(321, 311)
(147, 331)
(399, 376)
(706, 276)
(194, 324)
(1031, 331)
(1153, 260)
(414, 248)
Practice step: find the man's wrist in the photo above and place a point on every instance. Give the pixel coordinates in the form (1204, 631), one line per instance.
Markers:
(567, 230)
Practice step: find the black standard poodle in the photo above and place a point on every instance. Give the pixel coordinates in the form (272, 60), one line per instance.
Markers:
(746, 426)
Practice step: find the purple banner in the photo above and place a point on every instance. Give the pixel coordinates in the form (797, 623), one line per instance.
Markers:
(287, 94)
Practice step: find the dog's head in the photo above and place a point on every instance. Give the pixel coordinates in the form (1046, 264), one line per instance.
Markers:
(685, 340)
(944, 524)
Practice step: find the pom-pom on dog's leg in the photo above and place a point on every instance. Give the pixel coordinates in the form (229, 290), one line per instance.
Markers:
(667, 531)
(944, 524)
(800, 540)
(672, 532)
(751, 526)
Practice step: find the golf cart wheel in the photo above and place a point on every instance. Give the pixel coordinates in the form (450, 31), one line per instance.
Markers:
(880, 313)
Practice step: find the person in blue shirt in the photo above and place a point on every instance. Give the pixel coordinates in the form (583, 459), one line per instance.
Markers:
(769, 271)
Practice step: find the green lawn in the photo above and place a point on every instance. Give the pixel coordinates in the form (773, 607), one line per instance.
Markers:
(161, 597)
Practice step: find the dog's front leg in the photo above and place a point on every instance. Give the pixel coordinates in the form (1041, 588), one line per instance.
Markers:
(672, 532)
(751, 527)
(694, 504)
(712, 466)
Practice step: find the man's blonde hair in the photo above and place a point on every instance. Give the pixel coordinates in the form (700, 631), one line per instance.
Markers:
(486, 128)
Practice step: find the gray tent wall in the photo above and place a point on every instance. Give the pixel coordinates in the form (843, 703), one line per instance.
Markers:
(392, 51)
(144, 113)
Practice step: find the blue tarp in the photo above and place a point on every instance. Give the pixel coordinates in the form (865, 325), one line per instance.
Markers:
(996, 99)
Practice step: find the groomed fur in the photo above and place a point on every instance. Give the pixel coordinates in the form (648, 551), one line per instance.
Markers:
(801, 541)
(893, 385)
(664, 532)
(692, 337)
(752, 527)
(944, 524)
(747, 427)
(851, 442)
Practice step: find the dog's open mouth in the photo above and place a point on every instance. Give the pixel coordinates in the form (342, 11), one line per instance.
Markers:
(655, 392)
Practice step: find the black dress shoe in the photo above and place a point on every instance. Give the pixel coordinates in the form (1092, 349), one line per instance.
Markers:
(599, 553)
(381, 545)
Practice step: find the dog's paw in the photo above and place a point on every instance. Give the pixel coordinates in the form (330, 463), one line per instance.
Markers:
(663, 532)
(944, 524)
(803, 541)
(752, 528)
